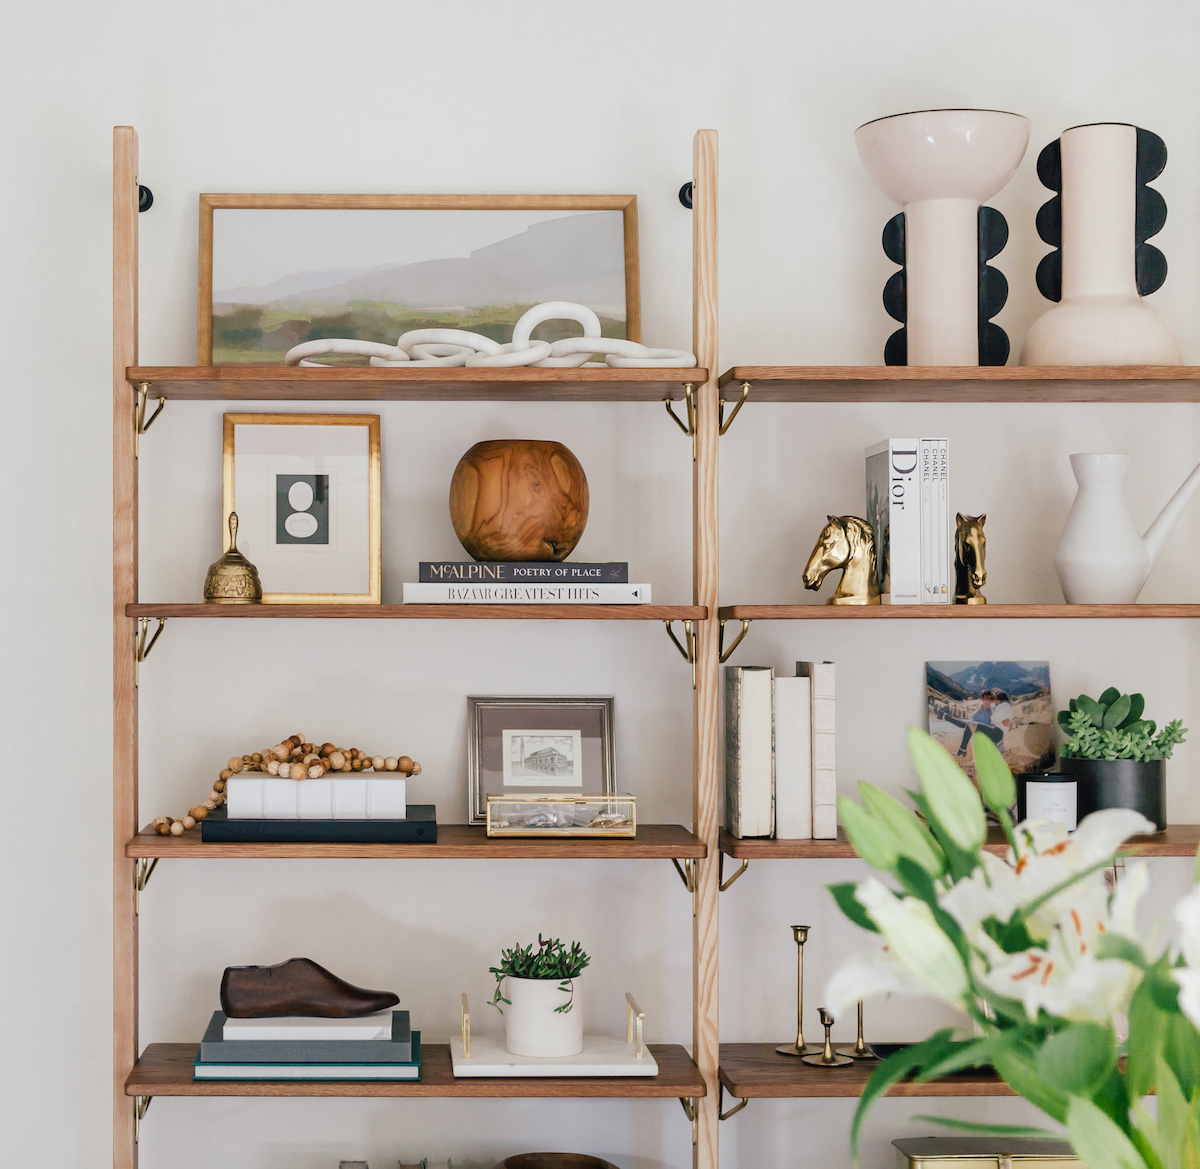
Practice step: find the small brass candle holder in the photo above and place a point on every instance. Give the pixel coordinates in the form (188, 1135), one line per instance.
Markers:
(828, 1057)
(859, 1049)
(800, 933)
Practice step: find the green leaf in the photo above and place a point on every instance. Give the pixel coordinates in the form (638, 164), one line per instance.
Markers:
(1092, 709)
(872, 839)
(913, 839)
(951, 795)
(995, 779)
(1097, 1139)
(1173, 1114)
(1012, 937)
(1078, 1058)
(1117, 713)
(895, 1068)
(1109, 696)
(1118, 946)
(843, 894)
(974, 1053)
(1137, 705)
(1181, 1050)
(959, 863)
(1019, 1071)
(1146, 1135)
(994, 1130)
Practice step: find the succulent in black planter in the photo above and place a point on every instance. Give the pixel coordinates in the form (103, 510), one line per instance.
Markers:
(1117, 757)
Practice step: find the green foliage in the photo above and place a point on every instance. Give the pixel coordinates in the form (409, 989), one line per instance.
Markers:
(1112, 727)
(550, 962)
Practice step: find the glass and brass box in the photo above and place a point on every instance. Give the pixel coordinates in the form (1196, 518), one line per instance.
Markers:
(983, 1153)
(532, 815)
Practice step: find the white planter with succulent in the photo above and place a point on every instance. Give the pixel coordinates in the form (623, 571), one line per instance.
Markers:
(540, 990)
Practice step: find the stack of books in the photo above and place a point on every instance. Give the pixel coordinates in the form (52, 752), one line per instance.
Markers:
(374, 1047)
(908, 508)
(470, 582)
(781, 752)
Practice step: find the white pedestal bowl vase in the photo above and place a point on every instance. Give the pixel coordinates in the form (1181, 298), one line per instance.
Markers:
(940, 165)
(1102, 265)
(532, 1026)
(1101, 559)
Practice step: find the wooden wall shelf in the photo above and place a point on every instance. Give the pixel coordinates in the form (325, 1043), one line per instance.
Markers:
(460, 841)
(444, 612)
(165, 1069)
(752, 1071)
(1177, 840)
(819, 612)
(1008, 383)
(359, 383)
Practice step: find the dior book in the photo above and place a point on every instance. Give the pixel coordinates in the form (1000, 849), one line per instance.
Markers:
(894, 513)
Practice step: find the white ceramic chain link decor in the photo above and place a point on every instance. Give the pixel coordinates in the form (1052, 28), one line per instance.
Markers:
(458, 347)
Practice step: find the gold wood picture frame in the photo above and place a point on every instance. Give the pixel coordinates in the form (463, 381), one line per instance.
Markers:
(336, 505)
(282, 279)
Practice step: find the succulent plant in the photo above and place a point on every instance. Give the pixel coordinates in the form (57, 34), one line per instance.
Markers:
(1112, 727)
(551, 961)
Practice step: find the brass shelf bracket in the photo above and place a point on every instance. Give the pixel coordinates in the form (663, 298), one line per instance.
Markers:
(141, 878)
(687, 647)
(723, 653)
(722, 884)
(690, 1111)
(687, 873)
(635, 1019)
(142, 647)
(723, 423)
(141, 1105)
(689, 399)
(466, 1027)
(721, 1100)
(140, 422)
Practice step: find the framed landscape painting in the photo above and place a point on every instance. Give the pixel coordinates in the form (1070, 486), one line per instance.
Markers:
(279, 270)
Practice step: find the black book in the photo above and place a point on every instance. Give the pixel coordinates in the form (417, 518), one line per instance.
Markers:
(215, 1048)
(522, 572)
(419, 828)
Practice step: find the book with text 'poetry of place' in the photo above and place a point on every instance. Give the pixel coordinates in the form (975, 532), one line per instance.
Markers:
(521, 572)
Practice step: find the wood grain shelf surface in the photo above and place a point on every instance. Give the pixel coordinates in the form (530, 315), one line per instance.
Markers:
(360, 383)
(427, 612)
(165, 1069)
(1176, 840)
(819, 612)
(757, 1071)
(1008, 383)
(455, 841)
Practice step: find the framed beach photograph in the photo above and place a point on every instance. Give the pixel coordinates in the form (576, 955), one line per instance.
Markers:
(306, 491)
(542, 746)
(279, 270)
(1008, 702)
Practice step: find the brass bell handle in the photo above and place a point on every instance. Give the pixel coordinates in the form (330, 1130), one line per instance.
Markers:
(233, 527)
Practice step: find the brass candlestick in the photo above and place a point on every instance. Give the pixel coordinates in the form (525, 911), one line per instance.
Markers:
(828, 1057)
(800, 933)
(859, 1050)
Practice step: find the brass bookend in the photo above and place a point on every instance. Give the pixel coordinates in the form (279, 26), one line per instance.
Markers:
(232, 580)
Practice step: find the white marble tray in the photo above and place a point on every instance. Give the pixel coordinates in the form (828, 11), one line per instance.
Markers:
(602, 1055)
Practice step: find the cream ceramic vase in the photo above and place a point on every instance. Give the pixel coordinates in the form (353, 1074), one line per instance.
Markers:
(532, 1026)
(1101, 223)
(1101, 558)
(940, 165)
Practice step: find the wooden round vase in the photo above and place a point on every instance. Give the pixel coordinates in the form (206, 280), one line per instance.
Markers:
(519, 499)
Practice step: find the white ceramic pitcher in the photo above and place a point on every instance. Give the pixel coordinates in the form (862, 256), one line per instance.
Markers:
(1101, 559)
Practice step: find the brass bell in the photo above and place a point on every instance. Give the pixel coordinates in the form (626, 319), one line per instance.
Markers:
(232, 580)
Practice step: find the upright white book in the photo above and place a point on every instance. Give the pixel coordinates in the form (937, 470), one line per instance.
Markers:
(944, 521)
(894, 513)
(793, 758)
(749, 751)
(824, 748)
(935, 522)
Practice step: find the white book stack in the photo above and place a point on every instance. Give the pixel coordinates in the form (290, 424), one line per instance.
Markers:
(824, 748)
(749, 751)
(343, 798)
(793, 759)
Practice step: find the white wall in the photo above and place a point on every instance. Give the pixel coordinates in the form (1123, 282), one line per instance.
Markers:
(514, 96)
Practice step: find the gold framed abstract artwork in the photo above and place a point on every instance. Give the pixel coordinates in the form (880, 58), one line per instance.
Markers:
(279, 270)
(306, 491)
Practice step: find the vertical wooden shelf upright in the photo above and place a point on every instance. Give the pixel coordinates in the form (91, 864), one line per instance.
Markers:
(703, 425)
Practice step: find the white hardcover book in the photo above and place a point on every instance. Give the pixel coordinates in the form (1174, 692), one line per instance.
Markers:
(930, 577)
(894, 513)
(824, 748)
(749, 751)
(299, 1027)
(358, 797)
(793, 758)
(944, 527)
(438, 593)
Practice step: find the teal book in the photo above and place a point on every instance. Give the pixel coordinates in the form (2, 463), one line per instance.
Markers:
(203, 1070)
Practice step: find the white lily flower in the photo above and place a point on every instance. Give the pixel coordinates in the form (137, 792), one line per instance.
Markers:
(916, 941)
(1187, 914)
(865, 975)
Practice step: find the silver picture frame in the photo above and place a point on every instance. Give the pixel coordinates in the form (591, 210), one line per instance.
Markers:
(491, 719)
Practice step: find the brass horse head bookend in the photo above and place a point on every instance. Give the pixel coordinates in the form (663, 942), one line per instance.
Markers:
(848, 543)
(970, 547)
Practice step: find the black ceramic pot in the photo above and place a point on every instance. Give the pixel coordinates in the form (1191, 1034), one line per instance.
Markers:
(1121, 783)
